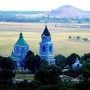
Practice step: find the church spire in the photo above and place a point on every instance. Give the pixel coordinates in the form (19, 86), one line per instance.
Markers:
(46, 31)
(21, 34)
(46, 47)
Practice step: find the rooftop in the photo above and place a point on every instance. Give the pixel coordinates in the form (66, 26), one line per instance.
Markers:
(46, 32)
(21, 41)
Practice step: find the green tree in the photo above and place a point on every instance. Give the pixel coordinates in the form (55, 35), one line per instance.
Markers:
(83, 85)
(6, 70)
(6, 64)
(72, 58)
(49, 75)
(87, 56)
(32, 62)
(86, 70)
(60, 61)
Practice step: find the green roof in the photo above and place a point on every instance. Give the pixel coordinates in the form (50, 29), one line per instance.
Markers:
(21, 41)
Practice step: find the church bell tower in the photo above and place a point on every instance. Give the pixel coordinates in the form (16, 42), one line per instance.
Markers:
(46, 47)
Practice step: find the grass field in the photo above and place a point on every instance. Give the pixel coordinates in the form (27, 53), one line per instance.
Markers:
(9, 33)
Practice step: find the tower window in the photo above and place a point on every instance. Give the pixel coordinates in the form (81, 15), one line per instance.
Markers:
(23, 50)
(16, 49)
(44, 49)
(43, 38)
(50, 48)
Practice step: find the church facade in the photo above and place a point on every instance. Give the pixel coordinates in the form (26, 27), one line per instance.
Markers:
(19, 51)
(46, 47)
(45, 50)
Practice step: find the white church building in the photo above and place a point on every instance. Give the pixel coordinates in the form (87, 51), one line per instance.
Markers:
(45, 50)
(21, 48)
(46, 47)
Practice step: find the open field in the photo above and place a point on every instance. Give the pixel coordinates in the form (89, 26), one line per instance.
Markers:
(9, 33)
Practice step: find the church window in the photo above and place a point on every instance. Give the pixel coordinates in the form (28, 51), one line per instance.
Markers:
(43, 38)
(49, 38)
(50, 48)
(16, 49)
(44, 49)
(23, 50)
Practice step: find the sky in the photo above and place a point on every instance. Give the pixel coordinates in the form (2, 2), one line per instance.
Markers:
(41, 5)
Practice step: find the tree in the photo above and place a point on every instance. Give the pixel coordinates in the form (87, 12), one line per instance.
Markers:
(70, 37)
(6, 64)
(44, 63)
(86, 56)
(72, 58)
(78, 37)
(60, 61)
(83, 85)
(34, 85)
(25, 85)
(37, 62)
(85, 39)
(49, 75)
(32, 62)
(6, 70)
(86, 70)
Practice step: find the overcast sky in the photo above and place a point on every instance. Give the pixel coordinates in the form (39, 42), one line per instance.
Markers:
(42, 4)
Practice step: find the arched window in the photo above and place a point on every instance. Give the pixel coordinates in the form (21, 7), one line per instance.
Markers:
(49, 38)
(43, 38)
(44, 49)
(22, 50)
(17, 49)
(50, 48)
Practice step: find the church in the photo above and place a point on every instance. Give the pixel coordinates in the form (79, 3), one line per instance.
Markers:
(45, 50)
(19, 52)
(46, 47)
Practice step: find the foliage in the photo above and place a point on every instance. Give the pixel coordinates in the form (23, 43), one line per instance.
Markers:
(86, 70)
(44, 63)
(73, 73)
(84, 85)
(34, 85)
(86, 56)
(6, 70)
(32, 62)
(6, 63)
(49, 87)
(6, 75)
(66, 85)
(49, 75)
(59, 86)
(60, 61)
(72, 58)
(24, 85)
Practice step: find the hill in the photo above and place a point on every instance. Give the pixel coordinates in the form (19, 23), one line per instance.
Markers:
(64, 14)
(68, 11)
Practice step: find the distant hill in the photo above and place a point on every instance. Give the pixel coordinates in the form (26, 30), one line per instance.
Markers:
(20, 16)
(64, 14)
(68, 11)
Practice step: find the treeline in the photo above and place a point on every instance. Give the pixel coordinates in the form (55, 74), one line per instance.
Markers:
(33, 16)
(78, 38)
(60, 76)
